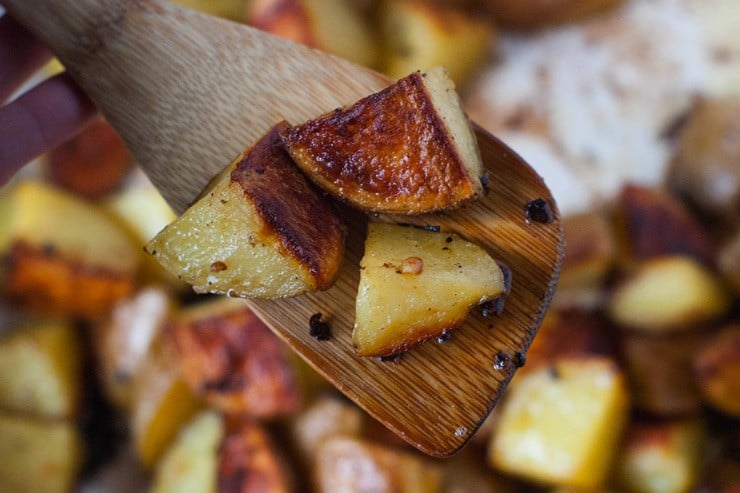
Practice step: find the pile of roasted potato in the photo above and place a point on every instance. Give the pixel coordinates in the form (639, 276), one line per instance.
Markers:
(632, 383)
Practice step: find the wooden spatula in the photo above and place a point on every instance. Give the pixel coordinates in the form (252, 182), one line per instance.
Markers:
(188, 92)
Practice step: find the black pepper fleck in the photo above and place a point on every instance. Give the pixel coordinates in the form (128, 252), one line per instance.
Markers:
(519, 359)
(449, 239)
(445, 336)
(539, 210)
(501, 361)
(506, 271)
(319, 329)
(494, 307)
(554, 373)
(393, 358)
(485, 180)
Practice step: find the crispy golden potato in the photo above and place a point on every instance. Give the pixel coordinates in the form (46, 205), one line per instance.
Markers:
(419, 35)
(705, 168)
(659, 368)
(661, 457)
(162, 403)
(650, 223)
(728, 262)
(590, 251)
(354, 466)
(717, 370)
(38, 456)
(123, 342)
(334, 26)
(92, 164)
(415, 285)
(232, 360)
(41, 371)
(191, 463)
(540, 13)
(249, 462)
(668, 293)
(327, 417)
(407, 149)
(561, 424)
(260, 231)
(62, 256)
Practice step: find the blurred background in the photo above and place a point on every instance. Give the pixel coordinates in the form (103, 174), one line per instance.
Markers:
(114, 377)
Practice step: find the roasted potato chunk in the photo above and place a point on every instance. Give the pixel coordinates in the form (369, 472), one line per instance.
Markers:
(62, 256)
(705, 168)
(419, 35)
(650, 223)
(407, 149)
(38, 456)
(415, 285)
(260, 231)
(668, 293)
(232, 360)
(334, 26)
(41, 371)
(355, 466)
(191, 463)
(541, 13)
(717, 370)
(123, 342)
(162, 403)
(590, 252)
(661, 457)
(92, 164)
(561, 424)
(326, 418)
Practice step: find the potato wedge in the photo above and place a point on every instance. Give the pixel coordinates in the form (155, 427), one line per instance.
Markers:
(355, 466)
(717, 370)
(260, 231)
(162, 404)
(561, 425)
(38, 456)
(666, 294)
(92, 164)
(191, 463)
(123, 342)
(415, 285)
(407, 149)
(41, 371)
(62, 256)
(334, 26)
(661, 457)
(651, 223)
(232, 360)
(540, 13)
(419, 35)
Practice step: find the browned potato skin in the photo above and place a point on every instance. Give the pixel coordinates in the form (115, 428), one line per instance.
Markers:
(92, 164)
(235, 363)
(650, 223)
(304, 221)
(705, 168)
(373, 153)
(540, 13)
(590, 251)
(44, 281)
(717, 370)
(248, 462)
(659, 368)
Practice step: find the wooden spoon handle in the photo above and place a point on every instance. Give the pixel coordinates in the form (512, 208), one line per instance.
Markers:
(186, 91)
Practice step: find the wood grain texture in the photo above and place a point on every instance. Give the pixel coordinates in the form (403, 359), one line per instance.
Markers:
(188, 93)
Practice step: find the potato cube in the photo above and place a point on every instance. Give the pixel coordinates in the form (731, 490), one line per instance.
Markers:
(191, 463)
(590, 251)
(162, 403)
(668, 293)
(717, 370)
(62, 256)
(38, 456)
(41, 371)
(661, 457)
(416, 284)
(561, 424)
(232, 360)
(333, 26)
(419, 35)
(408, 149)
(354, 466)
(260, 231)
